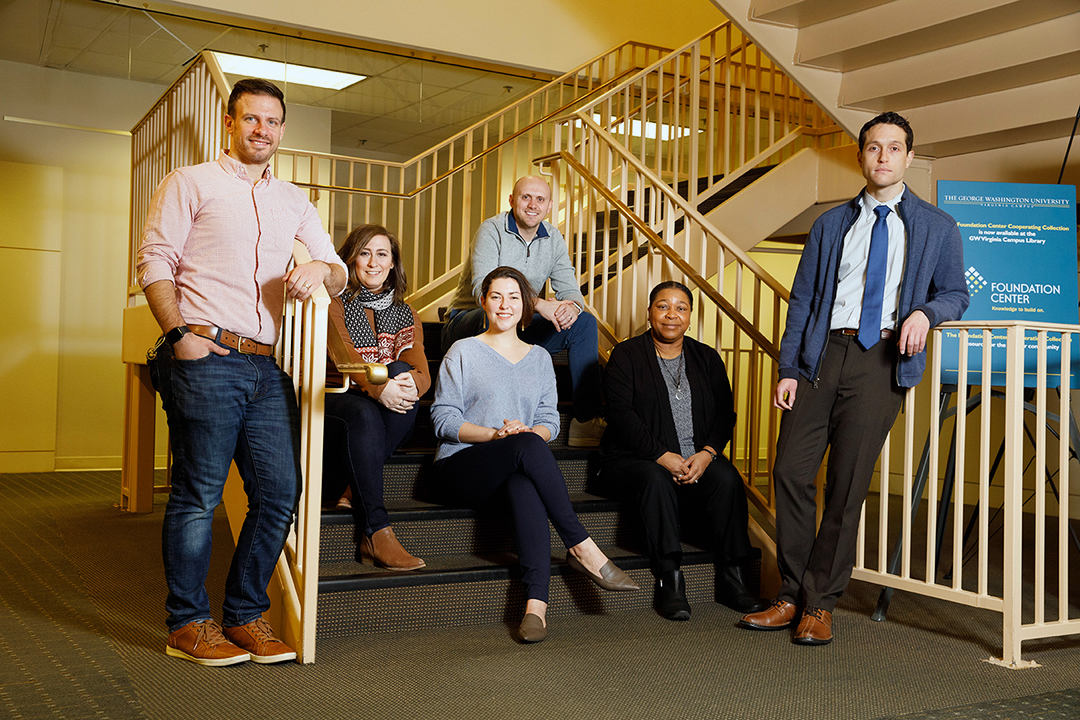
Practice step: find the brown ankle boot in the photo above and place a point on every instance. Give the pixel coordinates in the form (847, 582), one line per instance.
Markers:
(384, 550)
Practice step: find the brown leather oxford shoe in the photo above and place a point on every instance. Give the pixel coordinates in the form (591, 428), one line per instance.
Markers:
(815, 627)
(779, 615)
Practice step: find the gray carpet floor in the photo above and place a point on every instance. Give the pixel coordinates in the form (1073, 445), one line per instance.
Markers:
(82, 636)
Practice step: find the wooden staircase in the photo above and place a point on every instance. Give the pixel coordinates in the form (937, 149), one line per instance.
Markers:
(608, 223)
(471, 576)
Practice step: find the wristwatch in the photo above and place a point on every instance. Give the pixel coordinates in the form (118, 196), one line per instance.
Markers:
(173, 336)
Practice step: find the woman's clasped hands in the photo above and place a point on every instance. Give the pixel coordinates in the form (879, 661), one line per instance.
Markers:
(685, 472)
(511, 427)
(399, 393)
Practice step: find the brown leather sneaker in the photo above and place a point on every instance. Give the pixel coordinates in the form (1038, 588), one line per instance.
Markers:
(202, 643)
(815, 627)
(779, 615)
(257, 637)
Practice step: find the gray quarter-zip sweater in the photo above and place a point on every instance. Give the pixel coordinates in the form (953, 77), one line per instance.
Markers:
(497, 242)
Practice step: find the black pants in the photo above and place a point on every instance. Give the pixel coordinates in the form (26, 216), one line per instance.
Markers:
(850, 412)
(360, 435)
(524, 466)
(713, 509)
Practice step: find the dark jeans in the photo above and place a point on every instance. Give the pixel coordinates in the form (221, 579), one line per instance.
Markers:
(524, 466)
(579, 341)
(221, 409)
(712, 510)
(360, 435)
(850, 411)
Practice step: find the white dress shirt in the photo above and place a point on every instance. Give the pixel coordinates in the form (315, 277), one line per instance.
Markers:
(847, 307)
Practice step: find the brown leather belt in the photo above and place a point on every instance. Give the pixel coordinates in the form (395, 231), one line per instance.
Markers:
(243, 345)
(886, 334)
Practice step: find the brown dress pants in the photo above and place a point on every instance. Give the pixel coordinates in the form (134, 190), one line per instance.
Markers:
(850, 412)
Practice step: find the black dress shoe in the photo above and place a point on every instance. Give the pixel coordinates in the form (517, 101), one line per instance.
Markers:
(731, 591)
(671, 595)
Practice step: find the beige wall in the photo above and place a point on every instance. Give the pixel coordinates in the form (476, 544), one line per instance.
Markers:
(548, 35)
(1032, 163)
(84, 270)
(30, 256)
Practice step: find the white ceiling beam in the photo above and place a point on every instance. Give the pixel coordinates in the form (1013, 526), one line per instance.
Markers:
(1009, 117)
(1024, 56)
(801, 13)
(909, 27)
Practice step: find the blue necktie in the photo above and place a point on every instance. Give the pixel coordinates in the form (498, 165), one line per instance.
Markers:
(876, 263)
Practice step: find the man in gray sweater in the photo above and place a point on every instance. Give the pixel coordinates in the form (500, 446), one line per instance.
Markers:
(523, 240)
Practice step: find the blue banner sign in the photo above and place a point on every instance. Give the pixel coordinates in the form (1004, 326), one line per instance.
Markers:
(1020, 263)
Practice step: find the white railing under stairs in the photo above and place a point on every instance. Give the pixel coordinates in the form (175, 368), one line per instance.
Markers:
(1019, 555)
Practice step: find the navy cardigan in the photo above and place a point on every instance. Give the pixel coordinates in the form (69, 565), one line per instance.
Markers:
(933, 282)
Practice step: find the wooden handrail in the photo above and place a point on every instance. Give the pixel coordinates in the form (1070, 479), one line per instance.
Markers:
(657, 243)
(661, 62)
(436, 180)
(682, 205)
(340, 354)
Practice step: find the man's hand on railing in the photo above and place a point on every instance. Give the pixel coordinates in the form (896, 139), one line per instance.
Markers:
(913, 333)
(302, 280)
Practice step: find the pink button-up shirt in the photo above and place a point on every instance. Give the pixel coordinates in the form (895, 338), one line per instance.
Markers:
(226, 242)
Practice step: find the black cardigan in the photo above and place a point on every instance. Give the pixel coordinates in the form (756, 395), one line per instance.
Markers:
(640, 421)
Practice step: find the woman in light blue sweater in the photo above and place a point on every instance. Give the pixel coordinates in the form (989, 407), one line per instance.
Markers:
(494, 412)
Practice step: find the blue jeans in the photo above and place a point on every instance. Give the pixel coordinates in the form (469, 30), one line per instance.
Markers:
(361, 435)
(220, 409)
(579, 341)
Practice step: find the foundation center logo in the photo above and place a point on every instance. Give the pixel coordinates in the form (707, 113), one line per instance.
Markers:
(975, 281)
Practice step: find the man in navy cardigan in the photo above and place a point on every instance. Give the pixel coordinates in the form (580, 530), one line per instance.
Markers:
(841, 381)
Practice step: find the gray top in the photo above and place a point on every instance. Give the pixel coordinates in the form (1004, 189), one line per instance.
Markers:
(497, 242)
(478, 385)
(678, 388)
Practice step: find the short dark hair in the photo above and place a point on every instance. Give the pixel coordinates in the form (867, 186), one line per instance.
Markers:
(528, 295)
(357, 241)
(888, 118)
(255, 86)
(667, 285)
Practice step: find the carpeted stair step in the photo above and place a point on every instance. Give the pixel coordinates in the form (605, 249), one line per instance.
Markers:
(427, 530)
(471, 590)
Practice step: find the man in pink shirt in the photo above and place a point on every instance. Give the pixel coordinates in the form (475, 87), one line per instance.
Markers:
(217, 241)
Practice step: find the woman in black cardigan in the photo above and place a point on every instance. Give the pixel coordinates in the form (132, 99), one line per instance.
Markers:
(670, 414)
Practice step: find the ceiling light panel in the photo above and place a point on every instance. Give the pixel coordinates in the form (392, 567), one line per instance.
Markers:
(286, 72)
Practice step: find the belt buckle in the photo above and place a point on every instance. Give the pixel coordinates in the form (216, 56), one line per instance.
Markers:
(240, 346)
